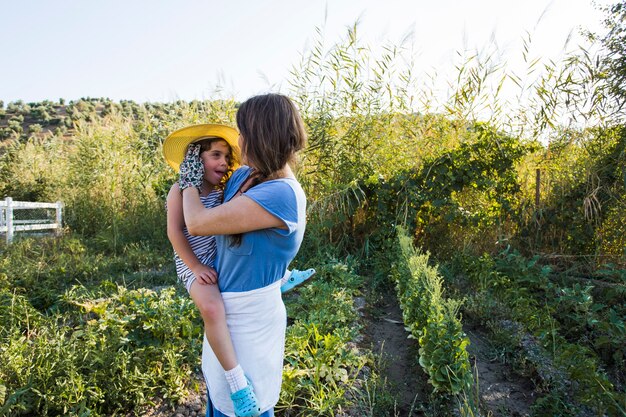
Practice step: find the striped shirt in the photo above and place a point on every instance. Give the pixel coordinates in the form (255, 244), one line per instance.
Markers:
(203, 247)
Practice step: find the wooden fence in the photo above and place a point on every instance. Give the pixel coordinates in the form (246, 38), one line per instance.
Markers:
(9, 224)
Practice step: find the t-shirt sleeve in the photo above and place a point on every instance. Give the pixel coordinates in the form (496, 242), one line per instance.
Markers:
(279, 199)
(235, 181)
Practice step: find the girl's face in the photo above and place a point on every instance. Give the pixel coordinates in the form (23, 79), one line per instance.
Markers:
(216, 161)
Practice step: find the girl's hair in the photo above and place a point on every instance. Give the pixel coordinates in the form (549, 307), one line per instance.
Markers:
(206, 145)
(272, 132)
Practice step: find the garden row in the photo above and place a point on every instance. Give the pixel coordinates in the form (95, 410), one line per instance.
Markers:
(432, 319)
(566, 336)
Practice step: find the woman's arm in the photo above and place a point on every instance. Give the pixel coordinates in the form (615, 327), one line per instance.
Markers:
(239, 215)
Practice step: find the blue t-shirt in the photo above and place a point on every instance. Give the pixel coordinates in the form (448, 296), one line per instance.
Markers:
(263, 255)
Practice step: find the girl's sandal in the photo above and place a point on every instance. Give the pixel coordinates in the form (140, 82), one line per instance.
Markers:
(296, 278)
(245, 402)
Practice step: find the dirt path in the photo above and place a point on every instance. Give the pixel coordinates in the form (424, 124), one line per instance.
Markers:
(502, 392)
(386, 335)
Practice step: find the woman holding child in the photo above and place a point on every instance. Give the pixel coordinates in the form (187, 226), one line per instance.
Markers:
(258, 231)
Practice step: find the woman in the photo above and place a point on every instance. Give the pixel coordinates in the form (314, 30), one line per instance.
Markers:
(259, 230)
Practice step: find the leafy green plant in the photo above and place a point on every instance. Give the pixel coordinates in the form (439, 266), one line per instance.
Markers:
(543, 331)
(434, 321)
(322, 362)
(320, 370)
(443, 351)
(112, 350)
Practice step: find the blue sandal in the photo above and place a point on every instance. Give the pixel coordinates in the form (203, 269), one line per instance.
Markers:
(296, 278)
(245, 402)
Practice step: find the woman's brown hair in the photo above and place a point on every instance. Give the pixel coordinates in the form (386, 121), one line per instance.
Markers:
(272, 131)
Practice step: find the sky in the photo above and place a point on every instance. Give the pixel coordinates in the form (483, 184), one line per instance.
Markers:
(160, 51)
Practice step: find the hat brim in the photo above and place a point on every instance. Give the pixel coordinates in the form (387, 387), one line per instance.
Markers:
(175, 145)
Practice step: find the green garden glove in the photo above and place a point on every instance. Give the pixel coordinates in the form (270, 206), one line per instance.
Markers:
(191, 169)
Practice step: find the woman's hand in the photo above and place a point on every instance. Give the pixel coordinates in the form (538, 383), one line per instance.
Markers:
(204, 274)
(191, 169)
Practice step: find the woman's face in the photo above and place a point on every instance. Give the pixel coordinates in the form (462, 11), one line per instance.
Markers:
(216, 161)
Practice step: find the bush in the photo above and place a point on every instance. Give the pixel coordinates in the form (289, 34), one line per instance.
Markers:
(34, 128)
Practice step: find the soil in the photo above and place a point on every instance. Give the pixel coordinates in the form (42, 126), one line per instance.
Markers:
(502, 392)
(386, 336)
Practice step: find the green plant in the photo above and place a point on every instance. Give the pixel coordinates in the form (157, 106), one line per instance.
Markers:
(434, 321)
(320, 370)
(112, 350)
(443, 350)
(546, 331)
(43, 269)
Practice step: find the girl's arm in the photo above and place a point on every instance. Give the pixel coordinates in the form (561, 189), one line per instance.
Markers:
(175, 225)
(239, 215)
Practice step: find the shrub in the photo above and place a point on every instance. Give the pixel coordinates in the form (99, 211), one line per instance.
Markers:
(34, 128)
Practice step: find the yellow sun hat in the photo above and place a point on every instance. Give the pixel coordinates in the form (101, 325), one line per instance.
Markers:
(176, 143)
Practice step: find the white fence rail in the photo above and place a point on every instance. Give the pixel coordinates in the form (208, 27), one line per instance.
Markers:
(9, 224)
